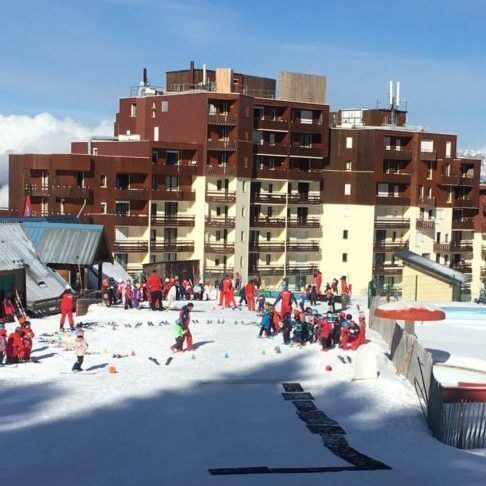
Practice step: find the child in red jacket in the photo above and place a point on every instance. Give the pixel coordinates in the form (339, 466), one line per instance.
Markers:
(67, 302)
(27, 336)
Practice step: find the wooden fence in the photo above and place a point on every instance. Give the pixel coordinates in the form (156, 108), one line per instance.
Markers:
(460, 424)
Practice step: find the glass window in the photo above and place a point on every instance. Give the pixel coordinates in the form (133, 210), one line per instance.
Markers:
(347, 189)
(349, 142)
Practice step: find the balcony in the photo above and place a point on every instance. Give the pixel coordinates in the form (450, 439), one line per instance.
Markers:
(306, 127)
(449, 180)
(426, 202)
(222, 145)
(304, 198)
(306, 152)
(393, 200)
(428, 156)
(265, 172)
(396, 177)
(380, 269)
(223, 170)
(462, 267)
(453, 246)
(37, 190)
(182, 168)
(425, 224)
(384, 246)
(172, 221)
(305, 174)
(483, 272)
(392, 223)
(172, 246)
(221, 197)
(466, 224)
(126, 219)
(267, 247)
(304, 223)
(394, 154)
(297, 268)
(270, 149)
(267, 222)
(272, 125)
(267, 270)
(466, 203)
(269, 198)
(220, 222)
(221, 119)
(71, 192)
(172, 195)
(215, 247)
(132, 194)
(466, 180)
(307, 246)
(130, 246)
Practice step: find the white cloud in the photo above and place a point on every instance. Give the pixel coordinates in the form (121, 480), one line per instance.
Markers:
(42, 133)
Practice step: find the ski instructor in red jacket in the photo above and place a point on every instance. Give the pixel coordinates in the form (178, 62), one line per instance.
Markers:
(287, 298)
(67, 303)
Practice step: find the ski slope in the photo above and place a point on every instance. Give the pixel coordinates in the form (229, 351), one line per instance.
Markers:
(218, 407)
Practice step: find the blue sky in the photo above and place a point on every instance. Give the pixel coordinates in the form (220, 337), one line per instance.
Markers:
(74, 58)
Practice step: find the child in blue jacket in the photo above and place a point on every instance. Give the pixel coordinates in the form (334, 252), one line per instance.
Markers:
(266, 324)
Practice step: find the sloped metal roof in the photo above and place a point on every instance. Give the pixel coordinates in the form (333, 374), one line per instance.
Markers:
(68, 244)
(42, 283)
(434, 268)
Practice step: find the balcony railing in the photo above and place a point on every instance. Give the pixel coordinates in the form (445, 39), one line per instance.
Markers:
(462, 267)
(304, 198)
(267, 247)
(394, 154)
(428, 156)
(215, 247)
(273, 125)
(387, 269)
(267, 222)
(223, 170)
(172, 246)
(221, 197)
(270, 149)
(466, 180)
(305, 174)
(384, 246)
(296, 268)
(393, 200)
(425, 224)
(427, 202)
(453, 246)
(220, 222)
(392, 223)
(71, 192)
(466, 203)
(37, 190)
(270, 198)
(222, 145)
(220, 119)
(130, 246)
(449, 180)
(463, 224)
(171, 195)
(397, 177)
(304, 223)
(267, 270)
(305, 152)
(307, 246)
(299, 127)
(172, 221)
(141, 194)
(184, 168)
(124, 219)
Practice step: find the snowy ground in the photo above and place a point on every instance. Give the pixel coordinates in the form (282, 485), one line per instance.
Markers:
(218, 407)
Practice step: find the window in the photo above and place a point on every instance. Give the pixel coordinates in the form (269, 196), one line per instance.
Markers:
(155, 156)
(171, 183)
(269, 236)
(122, 259)
(94, 150)
(270, 188)
(103, 208)
(448, 149)
(349, 142)
(306, 140)
(344, 257)
(306, 117)
(271, 139)
(450, 195)
(164, 106)
(427, 146)
(242, 262)
(382, 190)
(242, 236)
(103, 181)
(345, 234)
(61, 206)
(347, 164)
(257, 137)
(216, 262)
(156, 134)
(122, 208)
(267, 259)
(243, 211)
(429, 192)
(133, 109)
(172, 157)
(347, 189)
(429, 170)
(421, 191)
(243, 186)
(80, 179)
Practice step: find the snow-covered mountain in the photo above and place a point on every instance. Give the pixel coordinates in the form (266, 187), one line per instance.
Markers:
(477, 154)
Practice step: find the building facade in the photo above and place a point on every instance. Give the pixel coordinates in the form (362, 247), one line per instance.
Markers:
(248, 175)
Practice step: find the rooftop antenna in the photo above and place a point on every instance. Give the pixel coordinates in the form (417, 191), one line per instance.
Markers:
(204, 75)
(144, 78)
(394, 101)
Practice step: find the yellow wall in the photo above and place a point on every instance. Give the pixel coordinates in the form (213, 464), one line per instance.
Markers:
(429, 288)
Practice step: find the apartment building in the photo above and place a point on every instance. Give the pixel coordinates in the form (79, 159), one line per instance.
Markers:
(250, 175)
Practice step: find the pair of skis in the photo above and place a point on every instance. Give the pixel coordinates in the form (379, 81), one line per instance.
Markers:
(156, 361)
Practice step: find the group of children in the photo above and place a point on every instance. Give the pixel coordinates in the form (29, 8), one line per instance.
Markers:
(309, 326)
(16, 348)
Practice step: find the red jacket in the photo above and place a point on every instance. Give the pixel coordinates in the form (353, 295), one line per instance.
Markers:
(27, 335)
(14, 345)
(326, 328)
(226, 285)
(67, 301)
(154, 283)
(249, 290)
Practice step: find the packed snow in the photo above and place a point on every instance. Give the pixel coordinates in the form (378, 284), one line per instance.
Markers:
(219, 406)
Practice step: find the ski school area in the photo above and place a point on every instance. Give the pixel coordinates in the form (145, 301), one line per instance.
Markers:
(236, 409)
